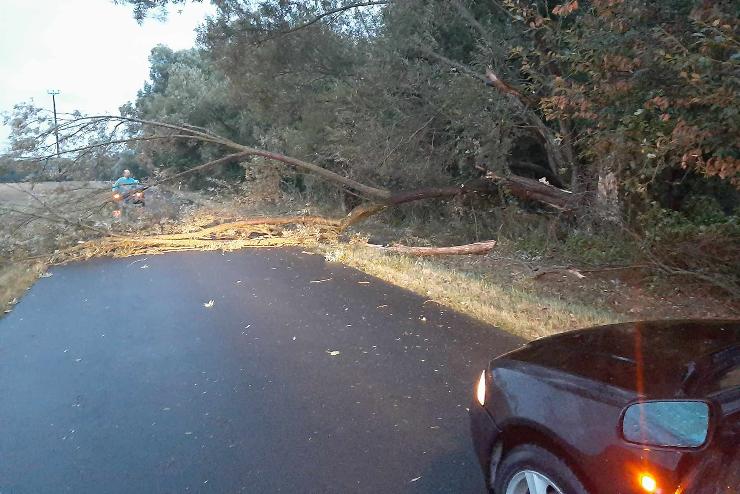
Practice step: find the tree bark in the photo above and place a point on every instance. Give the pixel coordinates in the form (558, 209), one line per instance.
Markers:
(479, 186)
(534, 190)
(477, 248)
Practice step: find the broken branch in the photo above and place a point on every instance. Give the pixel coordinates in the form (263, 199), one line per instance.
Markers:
(477, 248)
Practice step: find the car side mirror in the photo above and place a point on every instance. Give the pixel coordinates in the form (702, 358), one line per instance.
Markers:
(675, 423)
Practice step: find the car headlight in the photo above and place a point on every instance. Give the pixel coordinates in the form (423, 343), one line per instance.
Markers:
(480, 390)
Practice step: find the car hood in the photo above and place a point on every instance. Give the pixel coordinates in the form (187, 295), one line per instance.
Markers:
(666, 359)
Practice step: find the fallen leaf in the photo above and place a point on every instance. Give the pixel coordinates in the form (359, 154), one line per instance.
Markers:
(209, 304)
(333, 353)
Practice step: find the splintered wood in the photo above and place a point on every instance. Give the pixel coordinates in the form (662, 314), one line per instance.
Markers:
(255, 232)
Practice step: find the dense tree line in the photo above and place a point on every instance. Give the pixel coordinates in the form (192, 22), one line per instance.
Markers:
(639, 97)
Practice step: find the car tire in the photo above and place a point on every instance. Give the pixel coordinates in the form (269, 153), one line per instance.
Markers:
(527, 462)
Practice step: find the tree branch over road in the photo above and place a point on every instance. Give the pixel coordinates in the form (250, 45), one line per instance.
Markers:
(379, 198)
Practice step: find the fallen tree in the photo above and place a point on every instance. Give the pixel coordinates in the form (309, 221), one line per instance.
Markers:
(477, 248)
(377, 198)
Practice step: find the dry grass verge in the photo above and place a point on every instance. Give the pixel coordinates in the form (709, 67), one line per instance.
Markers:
(521, 312)
(15, 279)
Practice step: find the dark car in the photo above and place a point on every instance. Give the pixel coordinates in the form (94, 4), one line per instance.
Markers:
(647, 407)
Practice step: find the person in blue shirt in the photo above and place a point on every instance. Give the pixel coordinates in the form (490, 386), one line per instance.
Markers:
(124, 190)
(125, 184)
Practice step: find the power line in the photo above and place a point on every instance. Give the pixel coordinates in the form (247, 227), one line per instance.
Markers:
(53, 93)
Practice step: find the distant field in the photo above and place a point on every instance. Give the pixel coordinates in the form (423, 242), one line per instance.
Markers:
(20, 192)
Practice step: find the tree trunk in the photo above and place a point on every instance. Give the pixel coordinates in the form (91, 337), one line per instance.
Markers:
(477, 248)
(481, 186)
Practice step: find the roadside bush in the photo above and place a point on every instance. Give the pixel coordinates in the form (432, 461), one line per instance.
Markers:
(700, 242)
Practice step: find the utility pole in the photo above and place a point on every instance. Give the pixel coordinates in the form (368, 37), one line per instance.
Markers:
(53, 93)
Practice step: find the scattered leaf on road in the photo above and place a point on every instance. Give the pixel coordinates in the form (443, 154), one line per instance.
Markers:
(209, 304)
(333, 353)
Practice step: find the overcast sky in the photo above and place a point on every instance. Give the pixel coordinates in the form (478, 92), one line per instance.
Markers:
(92, 51)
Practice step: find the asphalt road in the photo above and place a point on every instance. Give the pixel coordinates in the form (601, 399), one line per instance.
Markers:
(303, 376)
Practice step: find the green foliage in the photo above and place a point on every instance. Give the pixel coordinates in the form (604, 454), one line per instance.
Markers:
(579, 247)
(702, 241)
(641, 91)
(185, 88)
(650, 87)
(702, 218)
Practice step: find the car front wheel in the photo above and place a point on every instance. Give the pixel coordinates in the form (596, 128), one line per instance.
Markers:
(529, 469)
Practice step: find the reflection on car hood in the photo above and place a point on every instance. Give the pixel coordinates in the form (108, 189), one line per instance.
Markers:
(666, 359)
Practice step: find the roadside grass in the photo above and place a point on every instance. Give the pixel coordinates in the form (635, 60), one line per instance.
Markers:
(509, 306)
(15, 279)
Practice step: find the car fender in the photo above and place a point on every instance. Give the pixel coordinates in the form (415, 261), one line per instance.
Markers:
(516, 432)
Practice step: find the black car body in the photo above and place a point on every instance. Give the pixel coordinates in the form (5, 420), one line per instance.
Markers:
(567, 395)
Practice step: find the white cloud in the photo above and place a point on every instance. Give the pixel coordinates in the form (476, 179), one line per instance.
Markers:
(93, 51)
